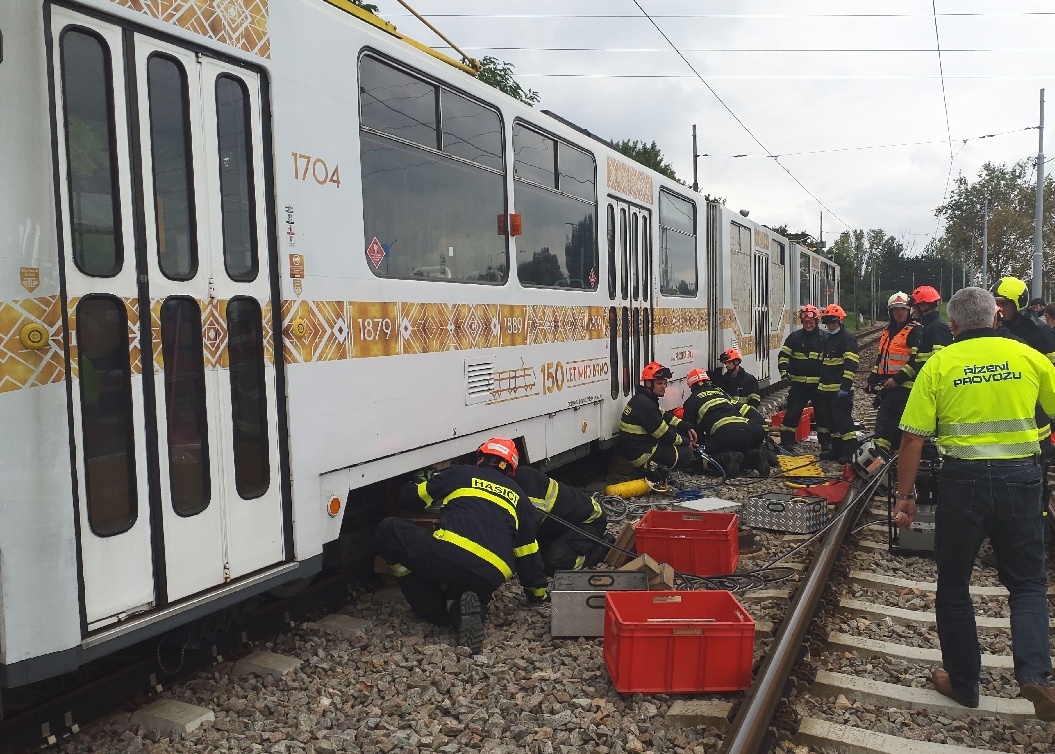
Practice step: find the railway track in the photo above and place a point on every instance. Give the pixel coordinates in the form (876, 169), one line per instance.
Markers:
(844, 645)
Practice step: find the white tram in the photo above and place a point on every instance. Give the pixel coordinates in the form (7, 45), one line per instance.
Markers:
(259, 254)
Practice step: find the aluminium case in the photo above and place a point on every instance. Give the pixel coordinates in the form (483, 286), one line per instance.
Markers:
(577, 599)
(797, 514)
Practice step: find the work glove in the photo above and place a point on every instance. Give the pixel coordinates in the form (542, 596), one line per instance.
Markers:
(842, 394)
(538, 595)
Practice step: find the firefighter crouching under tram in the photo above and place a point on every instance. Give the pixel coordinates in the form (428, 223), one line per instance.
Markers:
(835, 388)
(649, 437)
(563, 547)
(978, 398)
(890, 381)
(485, 532)
(799, 362)
(729, 437)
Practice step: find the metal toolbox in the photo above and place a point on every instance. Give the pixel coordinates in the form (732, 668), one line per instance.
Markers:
(577, 599)
(798, 514)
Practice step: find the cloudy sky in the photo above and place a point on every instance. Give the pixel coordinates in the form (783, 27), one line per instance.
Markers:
(828, 85)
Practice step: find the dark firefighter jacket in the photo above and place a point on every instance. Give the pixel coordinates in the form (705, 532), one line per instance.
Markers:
(742, 388)
(562, 500)
(644, 427)
(1039, 338)
(710, 410)
(895, 352)
(934, 336)
(487, 518)
(839, 362)
(800, 357)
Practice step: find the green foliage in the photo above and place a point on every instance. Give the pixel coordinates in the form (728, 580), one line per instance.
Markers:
(648, 155)
(368, 7)
(499, 74)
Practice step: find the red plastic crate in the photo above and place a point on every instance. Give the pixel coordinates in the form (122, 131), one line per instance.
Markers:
(802, 431)
(704, 544)
(677, 642)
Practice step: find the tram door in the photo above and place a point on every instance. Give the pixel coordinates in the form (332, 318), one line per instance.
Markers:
(634, 261)
(760, 305)
(162, 198)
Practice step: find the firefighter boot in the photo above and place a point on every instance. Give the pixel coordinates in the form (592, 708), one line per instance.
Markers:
(469, 622)
(787, 441)
(834, 451)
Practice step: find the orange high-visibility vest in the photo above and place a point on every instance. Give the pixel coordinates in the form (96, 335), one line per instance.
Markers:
(894, 352)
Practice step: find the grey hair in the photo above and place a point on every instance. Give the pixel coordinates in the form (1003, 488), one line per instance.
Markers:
(972, 308)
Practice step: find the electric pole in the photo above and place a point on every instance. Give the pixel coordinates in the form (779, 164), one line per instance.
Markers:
(695, 157)
(1038, 221)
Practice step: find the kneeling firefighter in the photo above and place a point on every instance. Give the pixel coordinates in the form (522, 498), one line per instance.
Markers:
(728, 436)
(486, 531)
(650, 437)
(572, 533)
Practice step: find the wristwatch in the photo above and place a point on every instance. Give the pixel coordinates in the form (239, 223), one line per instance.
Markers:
(909, 496)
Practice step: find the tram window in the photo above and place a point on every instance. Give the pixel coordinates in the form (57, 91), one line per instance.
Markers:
(558, 245)
(471, 131)
(635, 260)
(234, 138)
(245, 348)
(611, 253)
(677, 246)
(534, 157)
(170, 149)
(554, 193)
(635, 343)
(646, 258)
(613, 349)
(576, 171)
(434, 216)
(106, 414)
(624, 277)
(397, 103)
(185, 413)
(624, 332)
(91, 153)
(646, 336)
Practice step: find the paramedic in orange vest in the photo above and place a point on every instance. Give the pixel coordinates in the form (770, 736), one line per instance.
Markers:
(889, 380)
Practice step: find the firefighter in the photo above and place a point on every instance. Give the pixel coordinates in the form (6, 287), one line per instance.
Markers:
(978, 398)
(889, 380)
(727, 435)
(835, 390)
(799, 362)
(737, 383)
(934, 332)
(563, 547)
(485, 532)
(649, 437)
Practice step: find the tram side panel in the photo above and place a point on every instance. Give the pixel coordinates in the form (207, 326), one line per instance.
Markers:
(38, 551)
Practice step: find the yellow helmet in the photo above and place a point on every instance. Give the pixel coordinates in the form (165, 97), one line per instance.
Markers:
(1013, 290)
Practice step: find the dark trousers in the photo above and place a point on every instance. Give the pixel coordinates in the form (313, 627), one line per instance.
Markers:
(425, 571)
(888, 416)
(673, 456)
(569, 549)
(742, 438)
(836, 414)
(799, 395)
(1001, 500)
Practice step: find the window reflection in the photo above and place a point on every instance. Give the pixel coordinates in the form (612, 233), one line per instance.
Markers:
(397, 104)
(237, 200)
(245, 348)
(185, 413)
(677, 246)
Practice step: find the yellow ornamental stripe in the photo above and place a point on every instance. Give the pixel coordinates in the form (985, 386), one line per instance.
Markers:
(469, 546)
(528, 549)
(467, 492)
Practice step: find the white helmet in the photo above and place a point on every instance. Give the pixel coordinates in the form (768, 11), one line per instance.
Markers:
(899, 299)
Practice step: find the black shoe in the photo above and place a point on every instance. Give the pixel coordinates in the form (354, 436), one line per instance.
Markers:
(732, 468)
(762, 463)
(470, 622)
(828, 455)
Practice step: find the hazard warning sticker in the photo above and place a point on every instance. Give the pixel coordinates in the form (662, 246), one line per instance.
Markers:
(376, 252)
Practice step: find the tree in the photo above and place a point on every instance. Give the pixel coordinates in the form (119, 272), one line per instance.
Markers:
(368, 7)
(648, 155)
(499, 74)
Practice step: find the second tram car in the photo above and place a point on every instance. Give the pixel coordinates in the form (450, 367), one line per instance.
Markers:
(260, 255)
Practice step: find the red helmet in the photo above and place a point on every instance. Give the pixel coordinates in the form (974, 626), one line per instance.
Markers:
(696, 376)
(730, 355)
(833, 310)
(809, 311)
(679, 412)
(655, 371)
(504, 450)
(926, 294)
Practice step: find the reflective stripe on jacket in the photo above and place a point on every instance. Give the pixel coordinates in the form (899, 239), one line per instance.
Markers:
(895, 353)
(838, 362)
(800, 357)
(564, 501)
(709, 410)
(978, 396)
(644, 427)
